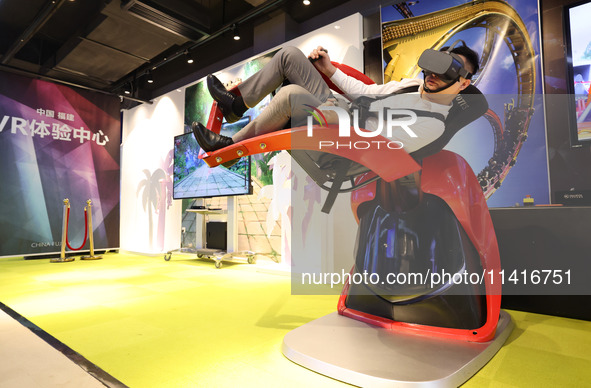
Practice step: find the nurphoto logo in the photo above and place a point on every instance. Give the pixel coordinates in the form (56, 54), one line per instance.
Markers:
(392, 118)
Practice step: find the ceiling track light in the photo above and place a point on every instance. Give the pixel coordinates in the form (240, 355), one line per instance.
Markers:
(235, 32)
(189, 57)
(306, 2)
(149, 77)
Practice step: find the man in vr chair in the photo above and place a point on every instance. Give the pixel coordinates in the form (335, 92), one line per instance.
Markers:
(446, 73)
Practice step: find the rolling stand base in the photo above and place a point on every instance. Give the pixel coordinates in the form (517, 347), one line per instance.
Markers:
(94, 257)
(216, 255)
(207, 251)
(365, 355)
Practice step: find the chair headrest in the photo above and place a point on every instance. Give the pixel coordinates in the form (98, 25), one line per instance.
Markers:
(469, 105)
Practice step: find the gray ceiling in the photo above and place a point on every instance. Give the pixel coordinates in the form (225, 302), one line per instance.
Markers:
(111, 44)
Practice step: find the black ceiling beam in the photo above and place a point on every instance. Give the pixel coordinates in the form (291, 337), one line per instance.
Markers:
(167, 18)
(30, 74)
(42, 17)
(103, 45)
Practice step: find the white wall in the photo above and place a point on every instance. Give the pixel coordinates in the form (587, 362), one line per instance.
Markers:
(323, 242)
(148, 132)
(150, 218)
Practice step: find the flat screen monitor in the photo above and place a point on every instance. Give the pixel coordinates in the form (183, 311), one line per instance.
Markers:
(578, 45)
(193, 178)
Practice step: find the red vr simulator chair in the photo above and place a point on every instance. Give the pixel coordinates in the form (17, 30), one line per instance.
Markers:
(419, 213)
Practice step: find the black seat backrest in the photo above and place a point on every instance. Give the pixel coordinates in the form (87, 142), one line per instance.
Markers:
(468, 106)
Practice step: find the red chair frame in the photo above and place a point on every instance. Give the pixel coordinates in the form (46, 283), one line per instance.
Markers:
(444, 174)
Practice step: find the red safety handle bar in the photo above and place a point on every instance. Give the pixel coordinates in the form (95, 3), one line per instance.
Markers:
(390, 164)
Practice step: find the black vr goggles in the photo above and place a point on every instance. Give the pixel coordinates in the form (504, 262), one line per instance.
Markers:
(448, 66)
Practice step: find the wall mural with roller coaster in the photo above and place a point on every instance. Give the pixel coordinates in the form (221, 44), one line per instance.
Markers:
(506, 147)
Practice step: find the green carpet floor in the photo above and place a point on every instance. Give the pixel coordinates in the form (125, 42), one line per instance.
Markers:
(183, 323)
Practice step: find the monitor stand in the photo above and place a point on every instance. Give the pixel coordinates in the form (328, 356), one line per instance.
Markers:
(217, 255)
(364, 355)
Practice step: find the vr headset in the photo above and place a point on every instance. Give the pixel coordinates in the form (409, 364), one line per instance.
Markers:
(447, 65)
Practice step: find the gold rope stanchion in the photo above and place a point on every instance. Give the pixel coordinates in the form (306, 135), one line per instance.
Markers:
(63, 258)
(89, 217)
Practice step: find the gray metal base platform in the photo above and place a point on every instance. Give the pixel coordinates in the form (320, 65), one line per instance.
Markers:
(369, 356)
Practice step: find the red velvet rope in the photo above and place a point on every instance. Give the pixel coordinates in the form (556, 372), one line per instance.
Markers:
(85, 230)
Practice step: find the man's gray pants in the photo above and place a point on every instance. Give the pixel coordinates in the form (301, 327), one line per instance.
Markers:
(306, 87)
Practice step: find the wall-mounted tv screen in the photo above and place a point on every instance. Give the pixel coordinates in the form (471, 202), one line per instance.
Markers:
(193, 178)
(578, 44)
